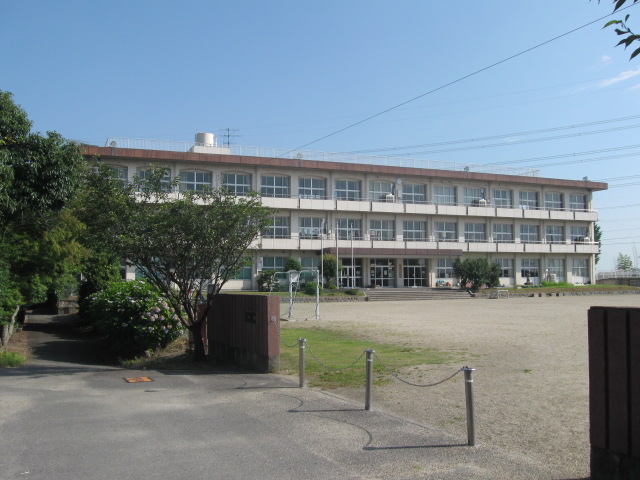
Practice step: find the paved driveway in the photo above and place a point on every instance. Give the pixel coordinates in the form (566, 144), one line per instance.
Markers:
(65, 416)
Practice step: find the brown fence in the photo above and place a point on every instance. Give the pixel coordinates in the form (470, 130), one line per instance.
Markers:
(243, 329)
(614, 392)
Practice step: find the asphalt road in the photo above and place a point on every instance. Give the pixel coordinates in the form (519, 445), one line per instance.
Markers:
(65, 416)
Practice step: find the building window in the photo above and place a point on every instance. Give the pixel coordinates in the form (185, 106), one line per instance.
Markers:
(446, 232)
(279, 228)
(273, 263)
(506, 266)
(166, 179)
(414, 231)
(312, 188)
(414, 193)
(444, 268)
(348, 228)
(121, 174)
(444, 195)
(530, 267)
(347, 190)
(555, 269)
(553, 201)
(529, 200)
(310, 227)
(502, 233)
(382, 230)
(578, 234)
(577, 202)
(310, 263)
(378, 191)
(472, 196)
(243, 274)
(580, 267)
(529, 233)
(503, 198)
(554, 234)
(238, 184)
(195, 181)
(475, 232)
(275, 186)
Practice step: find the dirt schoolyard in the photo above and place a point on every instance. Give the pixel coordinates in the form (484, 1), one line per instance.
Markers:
(531, 386)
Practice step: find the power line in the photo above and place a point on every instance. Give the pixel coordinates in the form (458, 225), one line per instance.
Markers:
(495, 137)
(453, 82)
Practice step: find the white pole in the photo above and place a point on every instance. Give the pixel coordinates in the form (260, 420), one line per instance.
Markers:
(353, 267)
(338, 272)
(322, 252)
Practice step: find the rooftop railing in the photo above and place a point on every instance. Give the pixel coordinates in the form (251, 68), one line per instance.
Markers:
(271, 152)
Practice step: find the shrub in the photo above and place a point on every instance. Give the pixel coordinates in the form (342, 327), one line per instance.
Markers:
(134, 318)
(11, 359)
(351, 291)
(310, 288)
(265, 283)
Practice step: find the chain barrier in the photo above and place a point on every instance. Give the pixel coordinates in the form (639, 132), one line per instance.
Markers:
(333, 368)
(415, 384)
(282, 339)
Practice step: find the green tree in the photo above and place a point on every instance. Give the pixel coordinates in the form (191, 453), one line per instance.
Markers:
(473, 273)
(185, 244)
(623, 262)
(622, 28)
(39, 175)
(292, 264)
(330, 266)
(597, 232)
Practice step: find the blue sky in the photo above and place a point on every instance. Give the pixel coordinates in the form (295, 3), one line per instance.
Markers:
(286, 73)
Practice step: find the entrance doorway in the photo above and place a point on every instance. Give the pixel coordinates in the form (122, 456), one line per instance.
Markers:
(382, 272)
(414, 273)
(351, 275)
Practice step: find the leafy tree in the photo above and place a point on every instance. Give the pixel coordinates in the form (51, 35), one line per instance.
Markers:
(292, 264)
(473, 273)
(597, 232)
(330, 266)
(184, 243)
(623, 262)
(39, 175)
(623, 29)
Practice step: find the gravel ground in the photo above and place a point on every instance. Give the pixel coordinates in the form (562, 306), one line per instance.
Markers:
(532, 381)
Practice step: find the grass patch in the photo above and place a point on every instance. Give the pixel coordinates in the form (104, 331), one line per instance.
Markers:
(11, 359)
(338, 351)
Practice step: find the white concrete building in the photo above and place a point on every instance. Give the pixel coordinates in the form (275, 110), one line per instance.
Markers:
(392, 222)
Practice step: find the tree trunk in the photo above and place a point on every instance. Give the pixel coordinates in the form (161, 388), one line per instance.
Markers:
(199, 354)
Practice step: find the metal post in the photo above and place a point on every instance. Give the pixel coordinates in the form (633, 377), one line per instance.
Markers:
(301, 362)
(369, 379)
(468, 390)
(338, 270)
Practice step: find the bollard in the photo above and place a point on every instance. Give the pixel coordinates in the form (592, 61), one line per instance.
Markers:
(468, 390)
(369, 379)
(301, 343)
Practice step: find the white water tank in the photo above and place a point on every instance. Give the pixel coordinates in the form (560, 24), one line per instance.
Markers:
(206, 139)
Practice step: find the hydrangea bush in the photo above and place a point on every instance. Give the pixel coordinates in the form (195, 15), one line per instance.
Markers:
(134, 318)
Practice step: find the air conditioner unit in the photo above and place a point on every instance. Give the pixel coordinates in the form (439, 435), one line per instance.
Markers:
(586, 240)
(390, 198)
(482, 202)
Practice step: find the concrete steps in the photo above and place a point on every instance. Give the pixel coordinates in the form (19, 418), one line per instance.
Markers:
(408, 294)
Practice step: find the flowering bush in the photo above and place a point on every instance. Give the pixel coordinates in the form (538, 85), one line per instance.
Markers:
(134, 317)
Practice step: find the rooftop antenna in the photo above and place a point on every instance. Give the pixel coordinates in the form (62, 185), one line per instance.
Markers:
(227, 134)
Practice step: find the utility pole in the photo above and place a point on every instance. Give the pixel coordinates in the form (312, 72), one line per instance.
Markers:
(227, 134)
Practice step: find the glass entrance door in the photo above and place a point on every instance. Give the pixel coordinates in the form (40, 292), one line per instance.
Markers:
(415, 275)
(351, 275)
(383, 272)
